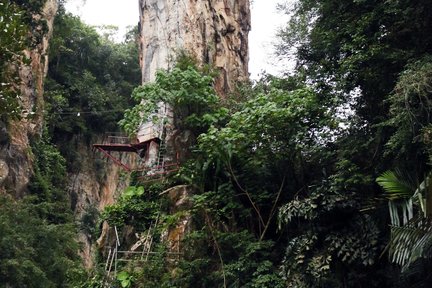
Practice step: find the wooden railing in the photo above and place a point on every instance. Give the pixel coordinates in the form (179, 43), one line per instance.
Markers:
(115, 138)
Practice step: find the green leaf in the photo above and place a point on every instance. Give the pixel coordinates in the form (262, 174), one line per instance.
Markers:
(123, 275)
(395, 186)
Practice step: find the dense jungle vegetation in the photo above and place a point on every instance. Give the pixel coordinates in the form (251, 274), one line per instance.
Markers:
(293, 176)
(88, 73)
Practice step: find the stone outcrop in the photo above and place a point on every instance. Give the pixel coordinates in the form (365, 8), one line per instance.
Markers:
(215, 32)
(179, 197)
(15, 157)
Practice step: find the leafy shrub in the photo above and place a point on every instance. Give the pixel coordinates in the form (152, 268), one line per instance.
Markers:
(135, 208)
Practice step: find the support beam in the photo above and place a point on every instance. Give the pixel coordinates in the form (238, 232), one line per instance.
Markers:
(116, 161)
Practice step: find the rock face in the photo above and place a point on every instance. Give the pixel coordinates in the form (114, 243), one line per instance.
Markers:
(213, 31)
(15, 158)
(179, 197)
(95, 186)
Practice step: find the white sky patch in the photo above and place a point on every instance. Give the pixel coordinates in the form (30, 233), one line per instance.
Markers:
(121, 13)
(265, 22)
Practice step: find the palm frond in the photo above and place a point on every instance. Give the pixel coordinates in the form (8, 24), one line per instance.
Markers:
(402, 209)
(411, 242)
(419, 193)
(396, 185)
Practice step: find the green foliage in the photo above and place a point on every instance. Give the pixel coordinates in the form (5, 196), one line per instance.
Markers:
(247, 261)
(48, 183)
(278, 122)
(411, 242)
(35, 253)
(242, 167)
(125, 279)
(329, 234)
(158, 271)
(276, 148)
(356, 57)
(13, 40)
(37, 25)
(410, 110)
(88, 85)
(135, 208)
(41, 250)
(361, 44)
(96, 278)
(88, 73)
(395, 185)
(187, 89)
(244, 261)
(271, 133)
(88, 223)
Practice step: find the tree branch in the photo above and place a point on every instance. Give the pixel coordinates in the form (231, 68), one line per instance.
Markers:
(247, 194)
(272, 210)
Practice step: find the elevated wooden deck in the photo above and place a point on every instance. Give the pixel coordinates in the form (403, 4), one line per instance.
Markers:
(125, 147)
(116, 147)
(115, 142)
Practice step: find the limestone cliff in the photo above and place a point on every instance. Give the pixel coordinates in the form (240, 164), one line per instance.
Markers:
(15, 157)
(214, 31)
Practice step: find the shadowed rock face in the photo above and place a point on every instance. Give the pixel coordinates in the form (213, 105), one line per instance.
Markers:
(213, 31)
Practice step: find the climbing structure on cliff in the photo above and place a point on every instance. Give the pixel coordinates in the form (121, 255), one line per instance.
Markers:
(141, 251)
(150, 145)
(111, 262)
(214, 32)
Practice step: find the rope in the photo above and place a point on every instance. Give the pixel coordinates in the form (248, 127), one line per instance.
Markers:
(78, 113)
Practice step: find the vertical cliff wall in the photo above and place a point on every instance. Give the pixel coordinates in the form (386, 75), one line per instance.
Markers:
(214, 31)
(95, 186)
(15, 157)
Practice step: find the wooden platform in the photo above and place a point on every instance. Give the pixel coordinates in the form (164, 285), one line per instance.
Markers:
(125, 147)
(117, 147)
(120, 144)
